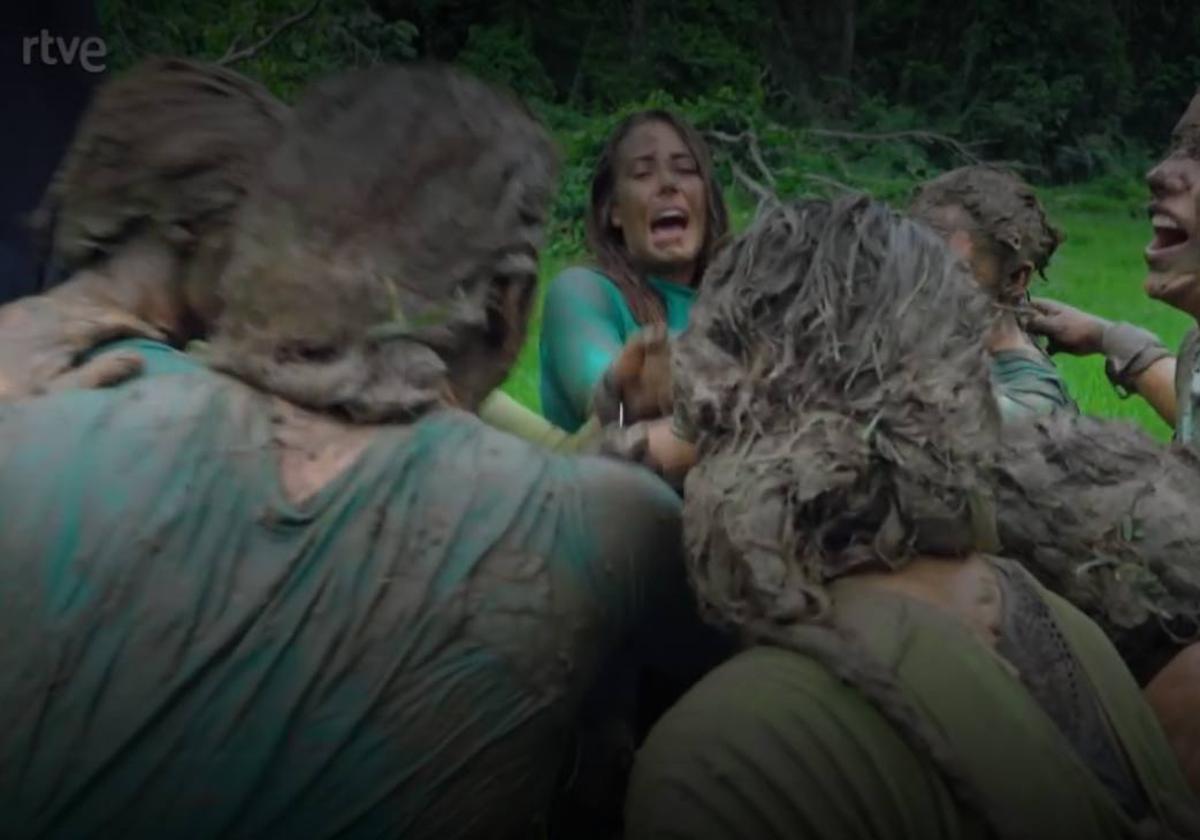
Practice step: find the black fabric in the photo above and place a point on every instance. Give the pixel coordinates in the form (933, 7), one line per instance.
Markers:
(40, 104)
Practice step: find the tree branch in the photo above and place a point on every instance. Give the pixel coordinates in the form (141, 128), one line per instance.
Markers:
(763, 194)
(831, 182)
(750, 140)
(233, 54)
(960, 148)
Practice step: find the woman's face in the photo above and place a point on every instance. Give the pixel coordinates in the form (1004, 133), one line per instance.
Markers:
(660, 204)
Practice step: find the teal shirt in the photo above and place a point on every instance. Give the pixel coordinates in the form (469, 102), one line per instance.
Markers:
(185, 652)
(157, 358)
(1028, 385)
(585, 324)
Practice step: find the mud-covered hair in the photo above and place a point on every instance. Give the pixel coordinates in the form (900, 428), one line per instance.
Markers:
(375, 252)
(1002, 209)
(839, 426)
(841, 429)
(167, 147)
(607, 243)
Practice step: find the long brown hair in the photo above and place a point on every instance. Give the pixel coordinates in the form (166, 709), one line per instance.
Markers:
(607, 242)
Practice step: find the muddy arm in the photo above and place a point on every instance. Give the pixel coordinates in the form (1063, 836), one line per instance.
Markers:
(500, 411)
(43, 337)
(1174, 695)
(580, 339)
(1156, 385)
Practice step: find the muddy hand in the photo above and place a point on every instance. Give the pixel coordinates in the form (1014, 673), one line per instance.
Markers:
(42, 339)
(104, 372)
(642, 374)
(1069, 330)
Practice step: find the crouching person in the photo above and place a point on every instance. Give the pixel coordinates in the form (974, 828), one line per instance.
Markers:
(307, 593)
(992, 219)
(901, 680)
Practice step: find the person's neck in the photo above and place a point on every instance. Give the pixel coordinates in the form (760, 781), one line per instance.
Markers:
(314, 448)
(965, 587)
(684, 275)
(1007, 335)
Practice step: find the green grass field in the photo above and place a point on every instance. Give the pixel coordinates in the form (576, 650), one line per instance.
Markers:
(1099, 268)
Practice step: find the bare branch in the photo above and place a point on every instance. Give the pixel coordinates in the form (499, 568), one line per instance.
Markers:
(750, 140)
(830, 182)
(233, 55)
(763, 194)
(960, 148)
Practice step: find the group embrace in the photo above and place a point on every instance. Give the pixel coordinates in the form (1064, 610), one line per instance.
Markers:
(811, 542)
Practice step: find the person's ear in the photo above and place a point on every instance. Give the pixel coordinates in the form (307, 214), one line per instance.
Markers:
(1019, 280)
(511, 303)
(612, 211)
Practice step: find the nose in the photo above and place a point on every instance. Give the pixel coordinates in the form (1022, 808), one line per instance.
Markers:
(1167, 178)
(669, 181)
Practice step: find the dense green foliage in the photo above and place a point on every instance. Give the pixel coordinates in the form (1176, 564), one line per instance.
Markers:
(1067, 86)
(1069, 90)
(798, 96)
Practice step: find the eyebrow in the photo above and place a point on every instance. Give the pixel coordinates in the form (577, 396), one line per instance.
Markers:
(675, 156)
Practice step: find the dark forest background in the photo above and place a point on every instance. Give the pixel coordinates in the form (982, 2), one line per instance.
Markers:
(796, 95)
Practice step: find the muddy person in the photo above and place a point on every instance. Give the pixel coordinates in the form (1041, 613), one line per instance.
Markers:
(137, 218)
(1135, 360)
(315, 596)
(656, 217)
(992, 219)
(901, 679)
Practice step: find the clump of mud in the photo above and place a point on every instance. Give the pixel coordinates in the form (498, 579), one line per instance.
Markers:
(1105, 516)
(168, 146)
(835, 379)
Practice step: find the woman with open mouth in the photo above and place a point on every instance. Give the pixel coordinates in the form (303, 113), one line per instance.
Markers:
(1136, 361)
(655, 217)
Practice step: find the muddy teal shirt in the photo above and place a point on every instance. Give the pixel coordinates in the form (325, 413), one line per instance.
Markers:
(585, 323)
(185, 652)
(157, 358)
(1028, 385)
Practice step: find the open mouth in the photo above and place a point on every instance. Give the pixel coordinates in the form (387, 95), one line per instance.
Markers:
(1170, 237)
(669, 224)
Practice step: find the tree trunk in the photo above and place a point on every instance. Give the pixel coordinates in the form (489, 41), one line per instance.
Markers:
(786, 47)
(845, 62)
(637, 30)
